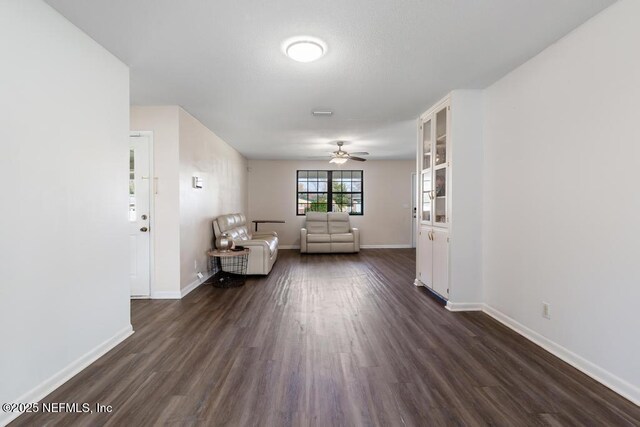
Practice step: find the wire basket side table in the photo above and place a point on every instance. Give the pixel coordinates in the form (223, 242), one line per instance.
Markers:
(229, 268)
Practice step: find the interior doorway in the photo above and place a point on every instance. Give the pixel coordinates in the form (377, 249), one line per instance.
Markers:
(140, 213)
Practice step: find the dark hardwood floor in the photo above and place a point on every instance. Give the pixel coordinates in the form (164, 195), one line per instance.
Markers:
(330, 340)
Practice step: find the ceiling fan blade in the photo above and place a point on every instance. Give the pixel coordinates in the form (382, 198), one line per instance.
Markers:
(360, 153)
(357, 159)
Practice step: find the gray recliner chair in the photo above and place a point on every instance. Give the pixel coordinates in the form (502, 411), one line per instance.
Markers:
(329, 232)
(263, 245)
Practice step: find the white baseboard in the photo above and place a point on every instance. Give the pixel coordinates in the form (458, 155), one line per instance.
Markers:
(43, 389)
(166, 295)
(191, 286)
(615, 383)
(464, 306)
(400, 246)
(182, 292)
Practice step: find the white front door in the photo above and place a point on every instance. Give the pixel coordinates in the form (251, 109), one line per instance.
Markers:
(139, 214)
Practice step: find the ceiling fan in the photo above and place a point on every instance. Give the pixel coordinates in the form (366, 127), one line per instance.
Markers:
(340, 156)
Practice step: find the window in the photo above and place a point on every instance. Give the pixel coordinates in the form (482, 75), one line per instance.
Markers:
(330, 191)
(132, 186)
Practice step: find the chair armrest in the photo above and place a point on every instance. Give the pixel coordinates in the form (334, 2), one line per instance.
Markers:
(259, 248)
(257, 234)
(252, 243)
(356, 239)
(303, 240)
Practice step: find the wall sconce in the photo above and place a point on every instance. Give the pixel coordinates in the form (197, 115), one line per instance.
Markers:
(197, 182)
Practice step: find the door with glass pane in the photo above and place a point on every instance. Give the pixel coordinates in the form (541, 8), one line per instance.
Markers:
(139, 205)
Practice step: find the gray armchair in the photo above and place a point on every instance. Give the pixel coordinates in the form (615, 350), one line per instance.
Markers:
(263, 245)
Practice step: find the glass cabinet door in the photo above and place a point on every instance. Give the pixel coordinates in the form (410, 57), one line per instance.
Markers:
(426, 196)
(427, 172)
(441, 166)
(441, 137)
(440, 196)
(426, 145)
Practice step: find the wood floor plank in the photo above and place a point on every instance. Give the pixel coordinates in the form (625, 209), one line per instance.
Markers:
(333, 339)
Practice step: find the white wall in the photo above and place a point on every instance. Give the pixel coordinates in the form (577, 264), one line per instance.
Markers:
(63, 175)
(387, 198)
(184, 147)
(465, 251)
(163, 121)
(561, 178)
(224, 171)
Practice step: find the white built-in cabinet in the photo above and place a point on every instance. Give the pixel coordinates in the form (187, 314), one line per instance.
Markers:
(434, 168)
(449, 149)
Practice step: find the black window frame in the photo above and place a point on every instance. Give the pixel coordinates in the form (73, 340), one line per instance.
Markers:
(330, 191)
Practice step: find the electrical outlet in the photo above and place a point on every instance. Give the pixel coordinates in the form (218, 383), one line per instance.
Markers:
(546, 310)
(200, 275)
(195, 264)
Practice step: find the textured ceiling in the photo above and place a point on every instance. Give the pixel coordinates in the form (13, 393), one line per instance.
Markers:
(387, 61)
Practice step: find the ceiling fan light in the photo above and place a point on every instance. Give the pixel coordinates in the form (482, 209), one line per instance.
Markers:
(339, 160)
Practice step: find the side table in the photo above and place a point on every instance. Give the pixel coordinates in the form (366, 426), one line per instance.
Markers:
(229, 268)
(266, 221)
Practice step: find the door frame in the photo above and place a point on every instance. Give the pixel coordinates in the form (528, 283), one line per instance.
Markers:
(153, 190)
(414, 213)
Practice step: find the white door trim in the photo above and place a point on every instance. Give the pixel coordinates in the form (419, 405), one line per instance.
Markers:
(414, 213)
(152, 211)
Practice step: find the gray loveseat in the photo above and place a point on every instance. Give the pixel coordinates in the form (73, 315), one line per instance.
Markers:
(329, 232)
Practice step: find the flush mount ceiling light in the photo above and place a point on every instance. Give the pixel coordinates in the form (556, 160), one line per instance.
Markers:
(304, 49)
